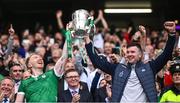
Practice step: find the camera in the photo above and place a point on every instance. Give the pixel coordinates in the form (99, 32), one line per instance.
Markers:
(176, 60)
(116, 50)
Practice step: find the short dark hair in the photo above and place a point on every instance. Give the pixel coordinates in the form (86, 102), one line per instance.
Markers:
(12, 64)
(70, 70)
(136, 45)
(175, 68)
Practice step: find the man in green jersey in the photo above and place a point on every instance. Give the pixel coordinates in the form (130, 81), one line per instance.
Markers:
(40, 87)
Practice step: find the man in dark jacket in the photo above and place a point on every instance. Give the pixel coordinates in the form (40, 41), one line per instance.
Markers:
(135, 82)
(77, 91)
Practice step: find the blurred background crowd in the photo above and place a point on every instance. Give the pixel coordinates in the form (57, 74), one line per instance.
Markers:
(40, 28)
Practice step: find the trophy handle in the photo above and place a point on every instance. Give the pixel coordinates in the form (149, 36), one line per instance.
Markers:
(73, 16)
(91, 26)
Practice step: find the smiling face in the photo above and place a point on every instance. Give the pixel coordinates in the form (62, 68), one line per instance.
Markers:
(134, 54)
(36, 62)
(72, 78)
(6, 87)
(16, 72)
(107, 48)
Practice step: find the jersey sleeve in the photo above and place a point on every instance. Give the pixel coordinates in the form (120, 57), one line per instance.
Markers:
(21, 88)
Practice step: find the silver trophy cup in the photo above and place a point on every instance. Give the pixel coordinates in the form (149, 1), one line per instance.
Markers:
(80, 23)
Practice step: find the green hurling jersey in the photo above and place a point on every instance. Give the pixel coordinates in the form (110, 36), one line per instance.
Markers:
(40, 89)
(170, 97)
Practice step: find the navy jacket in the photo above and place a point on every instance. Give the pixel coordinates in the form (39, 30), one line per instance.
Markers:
(85, 95)
(145, 72)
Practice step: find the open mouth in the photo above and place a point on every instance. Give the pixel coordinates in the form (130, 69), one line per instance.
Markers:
(130, 57)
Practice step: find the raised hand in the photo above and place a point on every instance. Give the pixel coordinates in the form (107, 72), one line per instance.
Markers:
(170, 26)
(142, 30)
(59, 14)
(137, 36)
(91, 12)
(11, 30)
(123, 51)
(114, 58)
(100, 15)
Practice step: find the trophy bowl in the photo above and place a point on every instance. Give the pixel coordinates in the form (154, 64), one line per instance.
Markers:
(80, 23)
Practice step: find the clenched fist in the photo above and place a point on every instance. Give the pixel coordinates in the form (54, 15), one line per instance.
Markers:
(170, 26)
(11, 30)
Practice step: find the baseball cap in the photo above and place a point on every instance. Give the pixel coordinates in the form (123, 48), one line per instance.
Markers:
(175, 68)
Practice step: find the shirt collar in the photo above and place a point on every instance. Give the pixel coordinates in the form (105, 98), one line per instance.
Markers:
(71, 90)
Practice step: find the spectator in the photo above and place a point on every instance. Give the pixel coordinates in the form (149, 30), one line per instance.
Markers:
(5, 52)
(104, 93)
(77, 92)
(172, 94)
(16, 73)
(7, 90)
(136, 76)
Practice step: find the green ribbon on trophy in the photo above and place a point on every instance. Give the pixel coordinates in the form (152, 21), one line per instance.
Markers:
(90, 23)
(69, 43)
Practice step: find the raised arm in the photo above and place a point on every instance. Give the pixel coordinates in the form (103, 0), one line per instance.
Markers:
(103, 20)
(59, 19)
(101, 17)
(10, 42)
(99, 61)
(97, 19)
(59, 66)
(166, 55)
(142, 29)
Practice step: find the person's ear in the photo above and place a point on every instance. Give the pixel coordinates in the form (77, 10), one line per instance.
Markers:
(140, 56)
(29, 65)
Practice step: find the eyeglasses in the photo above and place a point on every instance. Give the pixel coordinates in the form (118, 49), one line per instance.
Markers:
(71, 77)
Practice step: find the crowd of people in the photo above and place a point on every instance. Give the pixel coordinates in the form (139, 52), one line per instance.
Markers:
(119, 66)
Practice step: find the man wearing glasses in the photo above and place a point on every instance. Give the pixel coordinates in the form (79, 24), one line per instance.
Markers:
(77, 91)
